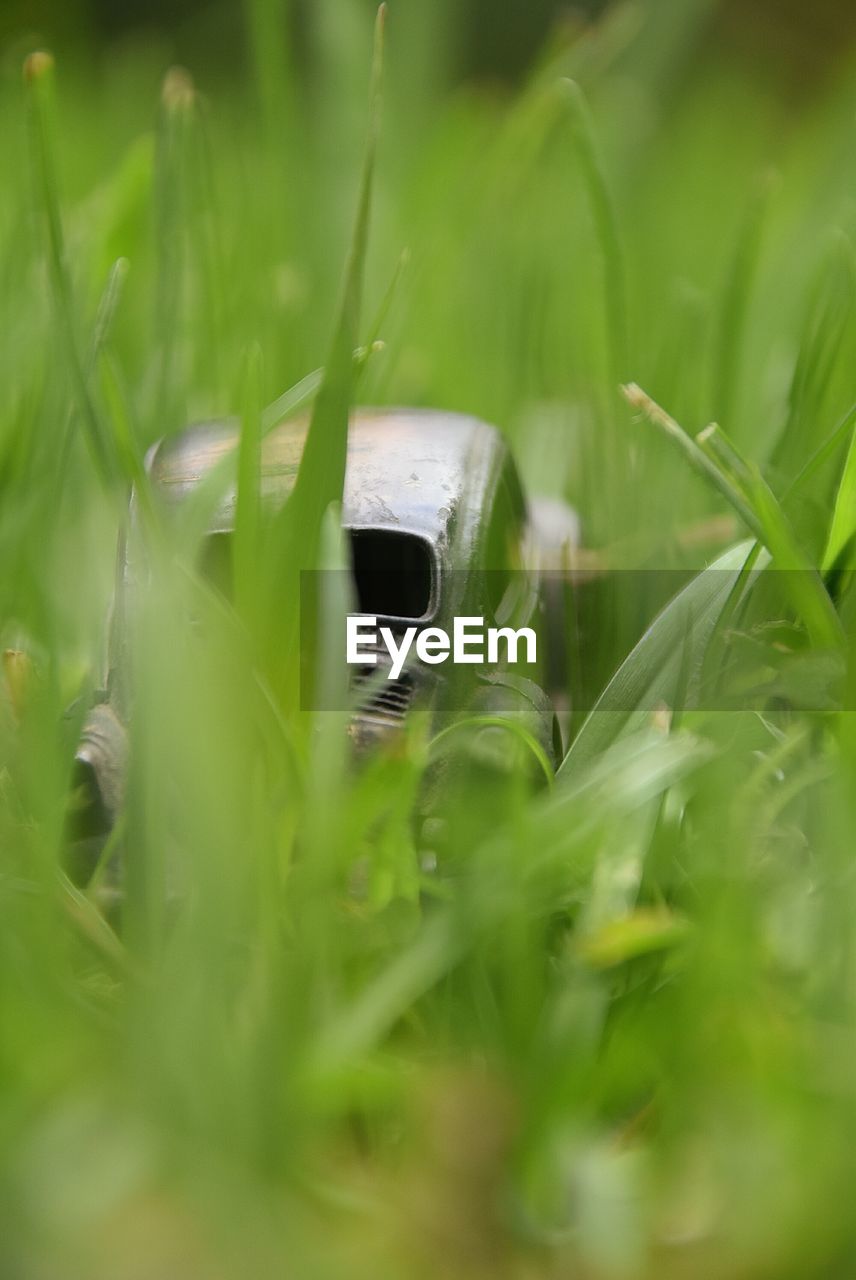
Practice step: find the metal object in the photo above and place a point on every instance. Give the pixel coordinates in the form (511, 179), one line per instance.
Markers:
(438, 527)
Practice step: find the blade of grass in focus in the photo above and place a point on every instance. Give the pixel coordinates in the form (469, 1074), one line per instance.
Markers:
(842, 526)
(650, 675)
(293, 542)
(751, 497)
(820, 363)
(803, 581)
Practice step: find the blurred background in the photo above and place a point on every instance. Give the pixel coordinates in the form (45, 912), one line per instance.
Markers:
(487, 40)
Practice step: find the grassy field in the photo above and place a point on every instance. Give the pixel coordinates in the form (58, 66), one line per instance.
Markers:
(614, 1035)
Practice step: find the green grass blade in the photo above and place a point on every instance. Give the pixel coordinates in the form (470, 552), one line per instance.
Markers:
(104, 319)
(633, 774)
(653, 671)
(294, 544)
(321, 476)
(203, 502)
(172, 180)
(842, 527)
(292, 400)
(606, 227)
(329, 741)
(467, 723)
(268, 26)
(303, 393)
(246, 541)
(732, 328)
(824, 453)
(717, 459)
(39, 82)
(802, 580)
(821, 360)
(695, 456)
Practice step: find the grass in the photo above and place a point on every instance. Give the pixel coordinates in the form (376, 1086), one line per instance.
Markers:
(614, 1034)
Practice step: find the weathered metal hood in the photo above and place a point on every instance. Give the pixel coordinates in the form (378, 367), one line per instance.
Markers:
(406, 468)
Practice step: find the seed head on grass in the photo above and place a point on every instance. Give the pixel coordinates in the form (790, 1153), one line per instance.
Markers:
(178, 92)
(37, 66)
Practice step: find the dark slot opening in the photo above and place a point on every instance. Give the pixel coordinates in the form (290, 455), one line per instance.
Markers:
(89, 814)
(392, 573)
(215, 563)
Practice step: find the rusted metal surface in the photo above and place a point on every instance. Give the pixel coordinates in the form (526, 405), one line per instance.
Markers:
(103, 749)
(416, 470)
(447, 478)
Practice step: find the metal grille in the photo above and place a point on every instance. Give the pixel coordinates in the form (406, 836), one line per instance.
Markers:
(389, 700)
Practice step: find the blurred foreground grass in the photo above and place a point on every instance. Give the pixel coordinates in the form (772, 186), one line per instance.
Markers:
(619, 1040)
